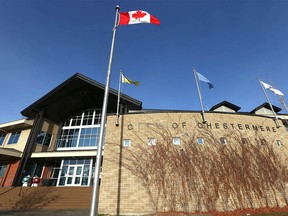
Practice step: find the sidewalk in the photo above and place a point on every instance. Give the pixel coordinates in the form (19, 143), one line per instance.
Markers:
(41, 212)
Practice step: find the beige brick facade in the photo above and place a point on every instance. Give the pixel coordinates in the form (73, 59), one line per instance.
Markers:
(124, 191)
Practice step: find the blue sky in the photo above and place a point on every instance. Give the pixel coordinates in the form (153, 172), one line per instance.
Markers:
(44, 42)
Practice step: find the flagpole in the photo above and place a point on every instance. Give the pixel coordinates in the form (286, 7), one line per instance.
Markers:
(200, 97)
(95, 194)
(275, 116)
(118, 101)
(282, 101)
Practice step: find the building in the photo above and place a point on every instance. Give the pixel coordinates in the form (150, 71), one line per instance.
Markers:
(60, 133)
(161, 157)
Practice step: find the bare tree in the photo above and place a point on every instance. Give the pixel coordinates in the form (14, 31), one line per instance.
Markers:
(195, 178)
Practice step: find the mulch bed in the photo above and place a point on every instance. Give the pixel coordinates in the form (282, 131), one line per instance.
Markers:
(243, 212)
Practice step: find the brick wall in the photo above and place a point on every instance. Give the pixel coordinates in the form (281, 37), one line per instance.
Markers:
(10, 173)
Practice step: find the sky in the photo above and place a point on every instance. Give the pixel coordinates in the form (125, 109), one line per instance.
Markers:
(230, 42)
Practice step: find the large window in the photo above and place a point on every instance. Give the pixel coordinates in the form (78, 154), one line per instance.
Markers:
(2, 138)
(14, 137)
(89, 137)
(81, 131)
(43, 138)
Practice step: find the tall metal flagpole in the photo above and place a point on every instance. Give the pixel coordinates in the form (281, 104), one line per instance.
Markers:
(200, 97)
(94, 202)
(118, 101)
(282, 101)
(275, 116)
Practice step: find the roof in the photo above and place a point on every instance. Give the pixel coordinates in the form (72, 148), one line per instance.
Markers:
(76, 94)
(267, 106)
(226, 104)
(21, 124)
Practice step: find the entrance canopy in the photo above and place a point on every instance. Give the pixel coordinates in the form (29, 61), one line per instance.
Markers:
(74, 95)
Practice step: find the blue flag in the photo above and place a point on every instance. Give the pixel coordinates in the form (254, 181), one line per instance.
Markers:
(204, 79)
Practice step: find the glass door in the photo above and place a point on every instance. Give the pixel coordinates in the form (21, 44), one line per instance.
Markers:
(74, 175)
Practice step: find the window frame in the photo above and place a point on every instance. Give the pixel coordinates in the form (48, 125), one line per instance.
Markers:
(151, 141)
(126, 142)
(223, 141)
(176, 141)
(44, 138)
(2, 139)
(279, 143)
(3, 168)
(14, 138)
(202, 141)
(73, 134)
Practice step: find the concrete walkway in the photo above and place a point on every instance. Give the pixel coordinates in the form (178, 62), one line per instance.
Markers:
(45, 212)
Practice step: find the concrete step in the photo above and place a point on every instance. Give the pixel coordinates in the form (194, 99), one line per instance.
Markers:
(45, 197)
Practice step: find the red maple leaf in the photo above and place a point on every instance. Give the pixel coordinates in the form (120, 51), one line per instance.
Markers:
(139, 14)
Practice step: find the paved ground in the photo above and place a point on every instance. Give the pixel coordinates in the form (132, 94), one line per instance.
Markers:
(45, 213)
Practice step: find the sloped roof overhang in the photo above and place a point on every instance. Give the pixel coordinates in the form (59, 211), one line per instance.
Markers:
(267, 106)
(227, 104)
(74, 95)
(21, 124)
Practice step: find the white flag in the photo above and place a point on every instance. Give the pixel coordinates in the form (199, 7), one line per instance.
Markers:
(271, 88)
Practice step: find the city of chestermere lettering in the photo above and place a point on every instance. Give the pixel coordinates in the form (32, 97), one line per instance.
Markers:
(237, 126)
(208, 125)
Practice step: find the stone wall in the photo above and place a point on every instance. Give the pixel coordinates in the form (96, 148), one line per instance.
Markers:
(134, 180)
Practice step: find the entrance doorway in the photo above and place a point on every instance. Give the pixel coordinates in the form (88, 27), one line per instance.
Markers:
(75, 172)
(74, 175)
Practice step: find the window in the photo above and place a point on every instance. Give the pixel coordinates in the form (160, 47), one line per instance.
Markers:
(2, 138)
(200, 140)
(44, 138)
(81, 131)
(244, 140)
(89, 137)
(88, 117)
(263, 141)
(14, 137)
(278, 142)
(76, 120)
(176, 141)
(34, 169)
(2, 169)
(223, 140)
(151, 141)
(127, 142)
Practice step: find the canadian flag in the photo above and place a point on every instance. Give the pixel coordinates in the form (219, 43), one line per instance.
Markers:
(136, 17)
